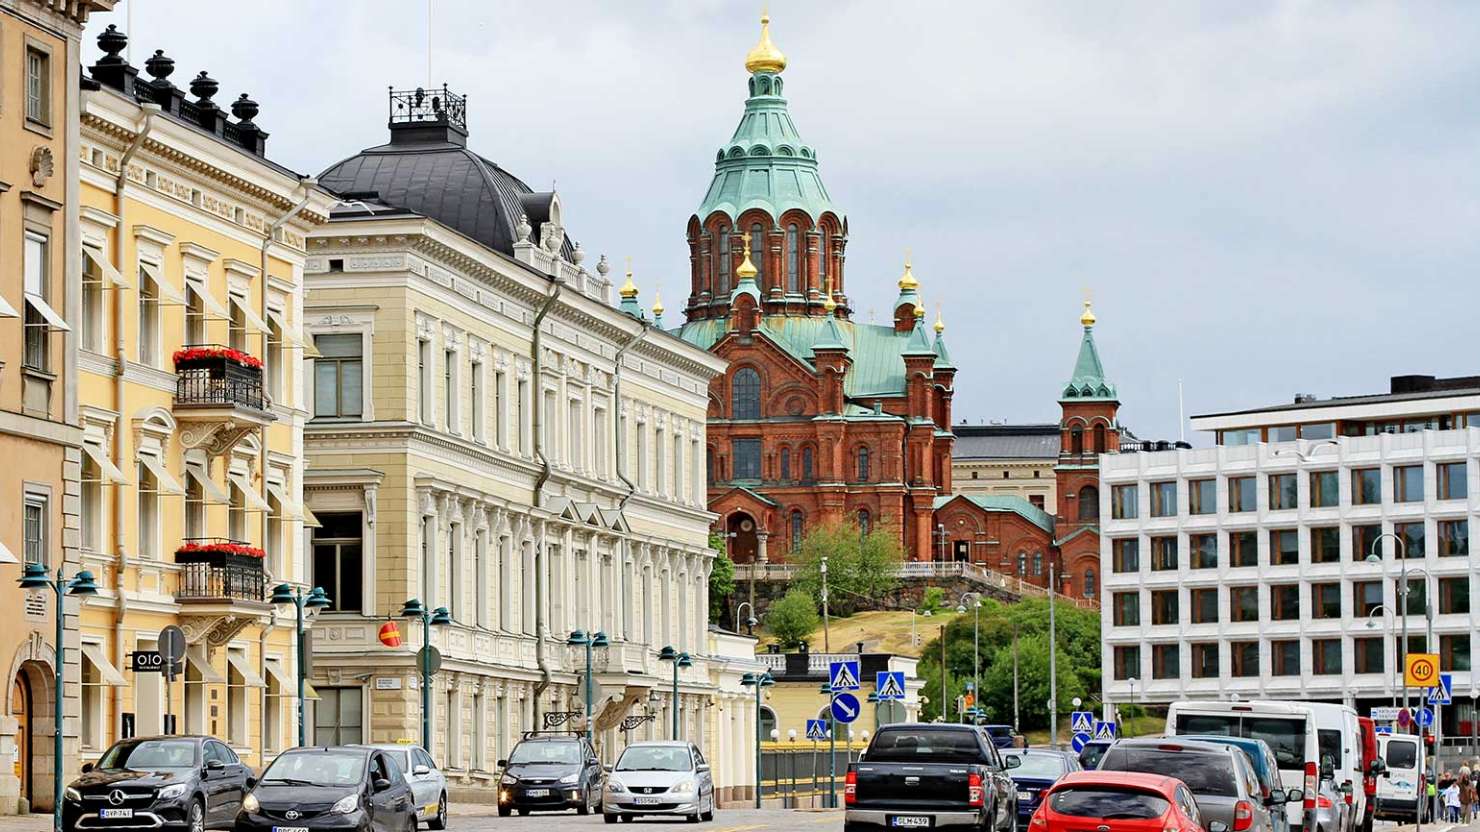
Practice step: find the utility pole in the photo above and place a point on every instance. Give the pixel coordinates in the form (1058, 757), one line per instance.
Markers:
(945, 703)
(826, 634)
(1053, 669)
(1015, 728)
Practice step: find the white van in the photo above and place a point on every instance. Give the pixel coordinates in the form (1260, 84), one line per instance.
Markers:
(1400, 788)
(1303, 736)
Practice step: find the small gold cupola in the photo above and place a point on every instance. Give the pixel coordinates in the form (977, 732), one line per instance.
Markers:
(765, 57)
(1088, 318)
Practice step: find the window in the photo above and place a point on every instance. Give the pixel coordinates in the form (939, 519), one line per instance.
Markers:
(1164, 499)
(863, 464)
(745, 394)
(1101, 443)
(1205, 660)
(34, 529)
(1284, 547)
(1454, 594)
(475, 398)
(449, 390)
(1325, 600)
(1408, 483)
(1412, 535)
(758, 247)
(148, 510)
(746, 454)
(807, 464)
(1366, 597)
(1453, 480)
(1325, 656)
(793, 258)
(1324, 492)
(1366, 486)
(338, 377)
(1127, 609)
(1243, 548)
(424, 383)
(1282, 433)
(92, 304)
(337, 717)
(1164, 607)
(1245, 656)
(785, 474)
(1127, 662)
(723, 270)
(1243, 603)
(1076, 440)
(149, 300)
(1282, 492)
(798, 526)
(1202, 497)
(1089, 503)
(39, 314)
(1242, 436)
(824, 254)
(1367, 654)
(1205, 605)
(1416, 598)
(338, 559)
(38, 86)
(1284, 602)
(1038, 564)
(1163, 553)
(195, 510)
(1365, 539)
(1325, 544)
(1123, 502)
(1454, 652)
(1125, 554)
(1454, 538)
(1241, 494)
(1204, 550)
(1285, 658)
(1166, 661)
(1037, 502)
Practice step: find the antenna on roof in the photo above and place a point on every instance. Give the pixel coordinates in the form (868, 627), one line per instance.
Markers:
(429, 44)
(1181, 415)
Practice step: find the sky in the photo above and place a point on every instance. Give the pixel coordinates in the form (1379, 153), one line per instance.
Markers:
(1263, 198)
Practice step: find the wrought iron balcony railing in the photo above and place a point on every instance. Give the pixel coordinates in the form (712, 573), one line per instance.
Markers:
(234, 580)
(209, 377)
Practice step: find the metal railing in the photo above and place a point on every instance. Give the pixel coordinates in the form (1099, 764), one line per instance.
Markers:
(219, 382)
(231, 580)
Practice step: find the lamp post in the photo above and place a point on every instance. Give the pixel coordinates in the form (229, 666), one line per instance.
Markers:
(749, 622)
(826, 627)
(916, 615)
(1053, 667)
(1374, 557)
(316, 599)
(414, 609)
(759, 681)
(35, 577)
(1393, 670)
(590, 642)
(976, 656)
(1015, 728)
(668, 654)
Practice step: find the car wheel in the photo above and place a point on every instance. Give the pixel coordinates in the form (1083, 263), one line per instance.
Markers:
(694, 818)
(504, 811)
(411, 822)
(609, 817)
(197, 819)
(523, 813)
(585, 807)
(439, 821)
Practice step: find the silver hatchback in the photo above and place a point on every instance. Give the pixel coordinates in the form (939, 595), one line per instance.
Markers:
(659, 778)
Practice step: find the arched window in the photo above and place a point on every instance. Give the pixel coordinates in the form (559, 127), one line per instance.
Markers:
(768, 721)
(1099, 439)
(785, 465)
(822, 256)
(798, 525)
(1037, 564)
(1091, 583)
(709, 464)
(864, 521)
(863, 464)
(1076, 440)
(793, 258)
(807, 464)
(1022, 564)
(1089, 503)
(758, 253)
(722, 267)
(745, 394)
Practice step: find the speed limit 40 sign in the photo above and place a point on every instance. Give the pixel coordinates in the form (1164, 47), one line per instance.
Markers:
(1421, 670)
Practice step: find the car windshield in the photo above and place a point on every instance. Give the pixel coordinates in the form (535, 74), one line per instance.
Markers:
(911, 745)
(1402, 754)
(316, 768)
(1285, 736)
(1108, 803)
(1205, 774)
(1045, 766)
(149, 755)
(544, 751)
(655, 758)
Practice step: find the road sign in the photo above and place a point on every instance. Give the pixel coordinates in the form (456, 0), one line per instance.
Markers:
(1421, 670)
(1105, 730)
(1384, 729)
(889, 685)
(1082, 722)
(1442, 693)
(172, 643)
(433, 664)
(816, 729)
(1405, 718)
(1078, 742)
(843, 675)
(1425, 717)
(845, 708)
(1384, 714)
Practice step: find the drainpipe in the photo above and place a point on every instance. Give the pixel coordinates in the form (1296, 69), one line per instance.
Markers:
(120, 603)
(617, 412)
(537, 405)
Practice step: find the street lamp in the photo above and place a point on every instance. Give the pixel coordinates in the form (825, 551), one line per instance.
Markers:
(1374, 557)
(1393, 670)
(759, 681)
(35, 577)
(680, 660)
(591, 642)
(976, 657)
(915, 615)
(413, 608)
(749, 622)
(316, 600)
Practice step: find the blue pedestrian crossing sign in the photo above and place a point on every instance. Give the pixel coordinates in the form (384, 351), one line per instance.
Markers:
(845, 708)
(1442, 693)
(1104, 730)
(889, 685)
(816, 729)
(1079, 741)
(843, 675)
(1082, 722)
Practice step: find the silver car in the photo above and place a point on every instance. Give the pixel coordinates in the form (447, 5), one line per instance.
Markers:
(659, 778)
(1221, 778)
(428, 785)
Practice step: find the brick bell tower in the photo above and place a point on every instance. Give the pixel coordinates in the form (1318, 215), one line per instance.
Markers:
(1087, 428)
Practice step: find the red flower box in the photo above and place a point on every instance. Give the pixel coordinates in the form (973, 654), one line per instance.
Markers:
(199, 551)
(198, 355)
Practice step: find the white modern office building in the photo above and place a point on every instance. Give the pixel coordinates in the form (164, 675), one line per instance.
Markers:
(1241, 569)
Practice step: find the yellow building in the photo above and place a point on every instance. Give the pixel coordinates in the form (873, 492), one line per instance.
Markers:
(39, 439)
(192, 407)
(797, 695)
(999, 459)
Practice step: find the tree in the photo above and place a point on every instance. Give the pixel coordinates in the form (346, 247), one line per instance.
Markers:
(861, 568)
(933, 601)
(721, 579)
(793, 618)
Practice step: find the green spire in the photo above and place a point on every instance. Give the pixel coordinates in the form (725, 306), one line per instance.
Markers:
(919, 343)
(1088, 382)
(942, 355)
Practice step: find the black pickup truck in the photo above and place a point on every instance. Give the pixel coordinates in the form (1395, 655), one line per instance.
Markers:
(930, 776)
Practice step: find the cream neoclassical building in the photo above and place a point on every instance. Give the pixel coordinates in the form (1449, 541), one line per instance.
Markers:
(490, 435)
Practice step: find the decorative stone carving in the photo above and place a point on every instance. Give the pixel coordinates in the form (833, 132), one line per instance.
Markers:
(42, 165)
(215, 438)
(213, 631)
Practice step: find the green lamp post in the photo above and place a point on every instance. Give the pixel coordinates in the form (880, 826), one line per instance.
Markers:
(413, 608)
(759, 681)
(680, 660)
(316, 599)
(35, 577)
(579, 638)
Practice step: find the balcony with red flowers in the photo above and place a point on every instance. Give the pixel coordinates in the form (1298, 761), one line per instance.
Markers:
(218, 396)
(215, 569)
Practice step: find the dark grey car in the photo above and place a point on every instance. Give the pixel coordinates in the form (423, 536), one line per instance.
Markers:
(1220, 776)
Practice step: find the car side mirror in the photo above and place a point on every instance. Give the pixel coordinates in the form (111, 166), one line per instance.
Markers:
(1012, 762)
(702, 767)
(1295, 796)
(215, 765)
(502, 764)
(606, 769)
(86, 767)
(381, 784)
(1346, 788)
(1276, 797)
(420, 769)
(251, 781)
(1217, 826)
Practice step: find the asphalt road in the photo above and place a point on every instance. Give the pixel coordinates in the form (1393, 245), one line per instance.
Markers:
(465, 818)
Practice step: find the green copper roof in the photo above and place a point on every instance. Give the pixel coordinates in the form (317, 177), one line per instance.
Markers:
(1004, 502)
(942, 355)
(1088, 382)
(831, 335)
(766, 164)
(919, 343)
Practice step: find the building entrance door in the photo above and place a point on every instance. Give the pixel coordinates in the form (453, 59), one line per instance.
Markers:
(20, 707)
(743, 540)
(962, 550)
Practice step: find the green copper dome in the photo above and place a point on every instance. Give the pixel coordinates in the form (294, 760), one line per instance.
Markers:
(1088, 383)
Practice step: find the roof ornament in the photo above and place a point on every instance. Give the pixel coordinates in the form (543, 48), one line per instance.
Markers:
(657, 307)
(940, 323)
(829, 305)
(523, 229)
(629, 295)
(577, 255)
(603, 267)
(907, 281)
(746, 270)
(765, 57)
(919, 311)
(1088, 318)
(629, 289)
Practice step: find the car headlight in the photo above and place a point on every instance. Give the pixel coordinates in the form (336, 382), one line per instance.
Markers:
(72, 794)
(345, 805)
(171, 792)
(250, 804)
(614, 785)
(570, 778)
(683, 786)
(509, 780)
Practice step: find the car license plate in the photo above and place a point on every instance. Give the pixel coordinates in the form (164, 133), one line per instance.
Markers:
(1025, 796)
(648, 801)
(536, 792)
(911, 821)
(290, 829)
(111, 814)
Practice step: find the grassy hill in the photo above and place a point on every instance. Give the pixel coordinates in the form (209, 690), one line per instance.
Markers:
(881, 631)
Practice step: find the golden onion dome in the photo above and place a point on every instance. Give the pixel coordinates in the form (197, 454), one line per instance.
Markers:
(1088, 318)
(828, 303)
(657, 304)
(919, 311)
(907, 281)
(629, 289)
(940, 323)
(765, 57)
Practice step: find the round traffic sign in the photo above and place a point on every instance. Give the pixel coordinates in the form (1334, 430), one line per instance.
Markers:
(1405, 718)
(845, 708)
(1425, 717)
(1079, 741)
(172, 643)
(433, 660)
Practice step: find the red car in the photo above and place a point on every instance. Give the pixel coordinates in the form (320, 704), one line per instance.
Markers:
(1119, 801)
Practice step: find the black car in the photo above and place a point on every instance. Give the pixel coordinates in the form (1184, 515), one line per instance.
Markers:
(348, 788)
(178, 782)
(550, 773)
